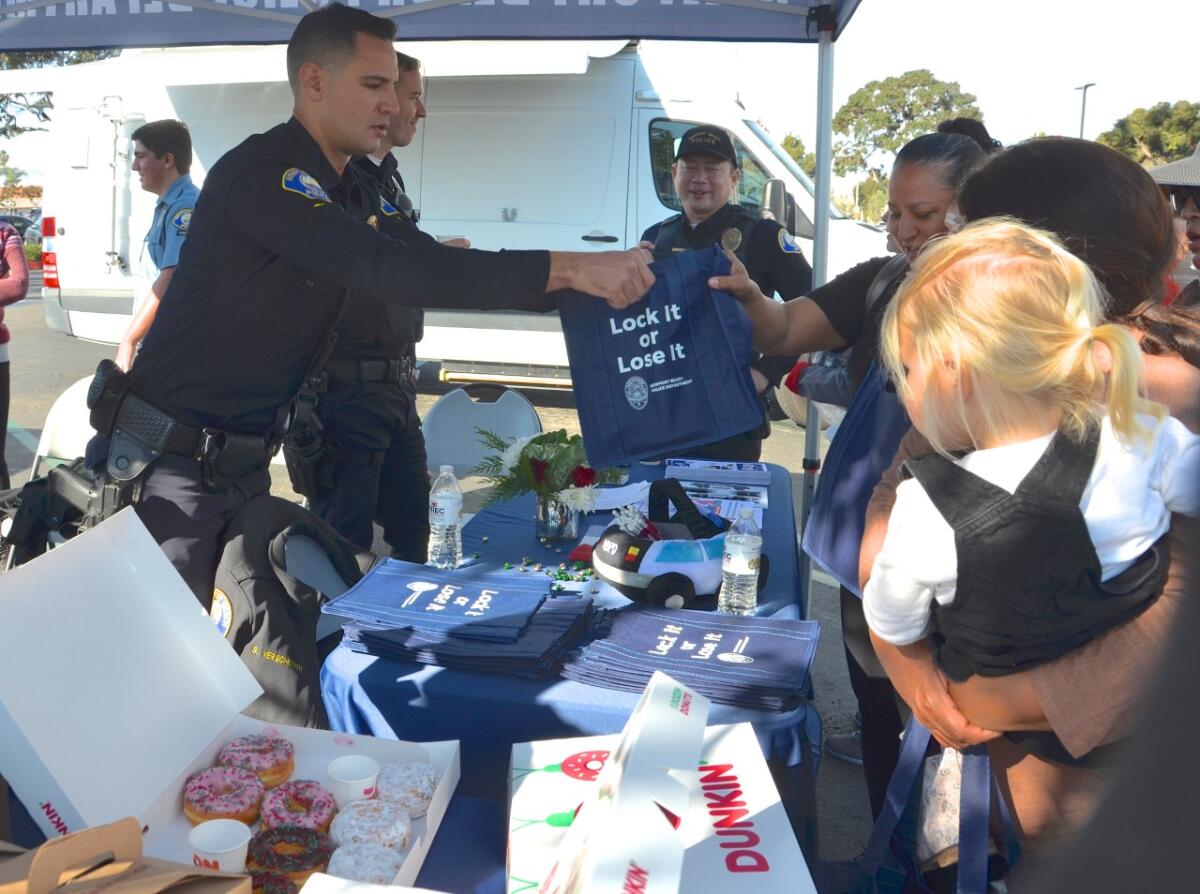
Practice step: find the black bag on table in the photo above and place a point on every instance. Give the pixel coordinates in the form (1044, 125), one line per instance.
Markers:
(269, 616)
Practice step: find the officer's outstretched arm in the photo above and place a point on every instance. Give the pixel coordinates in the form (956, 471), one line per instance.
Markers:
(793, 327)
(619, 277)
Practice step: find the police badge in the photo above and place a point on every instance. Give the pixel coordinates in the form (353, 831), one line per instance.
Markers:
(731, 239)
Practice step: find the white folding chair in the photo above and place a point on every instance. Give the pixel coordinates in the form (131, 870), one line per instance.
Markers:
(66, 431)
(449, 426)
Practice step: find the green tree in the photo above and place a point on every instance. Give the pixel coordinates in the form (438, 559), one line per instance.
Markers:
(11, 176)
(1157, 135)
(871, 197)
(794, 146)
(884, 115)
(21, 112)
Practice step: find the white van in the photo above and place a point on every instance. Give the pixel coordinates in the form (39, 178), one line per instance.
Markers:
(561, 146)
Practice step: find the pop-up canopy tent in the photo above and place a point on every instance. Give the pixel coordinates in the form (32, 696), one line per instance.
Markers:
(84, 24)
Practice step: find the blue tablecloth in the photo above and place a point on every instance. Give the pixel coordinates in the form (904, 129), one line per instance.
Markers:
(488, 713)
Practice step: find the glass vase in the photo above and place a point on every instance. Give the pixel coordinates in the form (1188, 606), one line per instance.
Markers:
(555, 521)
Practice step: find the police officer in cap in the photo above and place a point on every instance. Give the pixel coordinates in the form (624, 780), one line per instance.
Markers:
(278, 240)
(375, 469)
(705, 175)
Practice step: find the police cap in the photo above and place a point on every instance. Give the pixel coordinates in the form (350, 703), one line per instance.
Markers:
(709, 140)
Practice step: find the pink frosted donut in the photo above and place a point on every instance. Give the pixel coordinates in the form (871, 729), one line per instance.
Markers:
(222, 793)
(271, 757)
(301, 802)
(411, 786)
(379, 821)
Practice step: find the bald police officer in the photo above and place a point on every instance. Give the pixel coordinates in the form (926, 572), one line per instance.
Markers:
(374, 467)
(278, 240)
(705, 175)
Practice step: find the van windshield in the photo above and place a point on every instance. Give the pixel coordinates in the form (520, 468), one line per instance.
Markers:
(790, 163)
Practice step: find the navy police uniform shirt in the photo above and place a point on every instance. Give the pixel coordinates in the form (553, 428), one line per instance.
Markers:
(277, 239)
(172, 217)
(772, 255)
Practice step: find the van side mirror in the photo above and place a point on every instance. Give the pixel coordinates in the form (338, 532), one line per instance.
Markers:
(782, 208)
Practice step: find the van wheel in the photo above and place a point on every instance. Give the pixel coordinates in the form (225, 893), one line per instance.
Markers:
(671, 591)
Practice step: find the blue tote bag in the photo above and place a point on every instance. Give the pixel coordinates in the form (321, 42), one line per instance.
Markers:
(861, 452)
(667, 374)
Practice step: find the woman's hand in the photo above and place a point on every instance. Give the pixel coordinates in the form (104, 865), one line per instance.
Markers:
(738, 282)
(921, 684)
(932, 705)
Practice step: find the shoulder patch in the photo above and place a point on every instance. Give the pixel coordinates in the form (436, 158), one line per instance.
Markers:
(221, 612)
(388, 209)
(304, 184)
(182, 220)
(787, 243)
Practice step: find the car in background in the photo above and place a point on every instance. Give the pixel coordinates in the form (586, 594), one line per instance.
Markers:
(29, 229)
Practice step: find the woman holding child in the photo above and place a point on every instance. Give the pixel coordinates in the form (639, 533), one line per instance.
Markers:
(1080, 668)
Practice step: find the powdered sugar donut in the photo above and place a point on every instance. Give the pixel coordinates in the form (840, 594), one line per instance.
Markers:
(271, 757)
(301, 802)
(366, 862)
(382, 822)
(411, 786)
(222, 793)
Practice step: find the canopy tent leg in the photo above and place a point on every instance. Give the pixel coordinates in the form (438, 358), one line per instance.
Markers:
(820, 265)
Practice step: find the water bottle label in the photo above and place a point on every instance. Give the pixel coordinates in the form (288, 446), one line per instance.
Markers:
(740, 563)
(445, 508)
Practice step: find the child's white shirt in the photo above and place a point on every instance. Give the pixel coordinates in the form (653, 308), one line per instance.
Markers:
(1127, 506)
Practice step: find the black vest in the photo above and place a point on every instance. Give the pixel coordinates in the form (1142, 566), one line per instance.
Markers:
(673, 234)
(1029, 587)
(371, 328)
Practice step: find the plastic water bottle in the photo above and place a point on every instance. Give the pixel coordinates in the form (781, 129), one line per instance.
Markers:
(445, 514)
(739, 567)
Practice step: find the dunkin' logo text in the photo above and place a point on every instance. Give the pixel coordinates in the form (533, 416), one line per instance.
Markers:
(55, 820)
(635, 880)
(723, 800)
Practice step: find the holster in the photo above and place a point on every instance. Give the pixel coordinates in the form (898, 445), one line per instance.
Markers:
(305, 449)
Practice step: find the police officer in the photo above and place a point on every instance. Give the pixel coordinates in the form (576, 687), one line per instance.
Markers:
(705, 174)
(278, 239)
(162, 157)
(375, 467)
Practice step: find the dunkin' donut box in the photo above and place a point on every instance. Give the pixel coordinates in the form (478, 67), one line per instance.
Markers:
(710, 793)
(115, 686)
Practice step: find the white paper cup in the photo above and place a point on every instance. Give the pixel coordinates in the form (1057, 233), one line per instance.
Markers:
(354, 778)
(220, 844)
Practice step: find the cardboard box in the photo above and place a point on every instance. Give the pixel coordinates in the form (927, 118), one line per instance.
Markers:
(109, 859)
(115, 687)
(733, 831)
(319, 883)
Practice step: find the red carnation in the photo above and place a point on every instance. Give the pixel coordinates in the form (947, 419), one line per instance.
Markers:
(539, 468)
(583, 476)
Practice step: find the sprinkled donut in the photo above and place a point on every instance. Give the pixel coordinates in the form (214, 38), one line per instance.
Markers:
(291, 851)
(301, 802)
(410, 786)
(379, 821)
(222, 793)
(271, 757)
(366, 862)
(272, 883)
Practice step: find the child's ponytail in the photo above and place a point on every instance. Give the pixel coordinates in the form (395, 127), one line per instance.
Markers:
(1123, 392)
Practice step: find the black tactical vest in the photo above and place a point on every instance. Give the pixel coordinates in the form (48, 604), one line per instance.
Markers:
(673, 234)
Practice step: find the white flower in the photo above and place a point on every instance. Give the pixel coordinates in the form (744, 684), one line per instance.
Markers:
(579, 499)
(508, 459)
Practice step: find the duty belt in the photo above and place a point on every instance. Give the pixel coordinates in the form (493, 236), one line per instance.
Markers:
(399, 370)
(142, 431)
